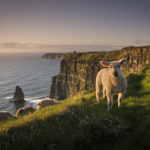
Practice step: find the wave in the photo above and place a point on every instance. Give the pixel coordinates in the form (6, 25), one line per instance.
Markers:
(8, 97)
(31, 100)
(35, 100)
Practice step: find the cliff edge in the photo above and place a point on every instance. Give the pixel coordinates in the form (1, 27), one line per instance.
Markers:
(78, 70)
(53, 56)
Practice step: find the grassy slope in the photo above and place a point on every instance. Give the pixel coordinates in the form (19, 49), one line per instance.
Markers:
(80, 123)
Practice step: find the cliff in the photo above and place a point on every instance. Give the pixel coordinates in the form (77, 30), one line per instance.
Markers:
(78, 70)
(53, 56)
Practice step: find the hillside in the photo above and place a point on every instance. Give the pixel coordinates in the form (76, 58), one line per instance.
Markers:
(78, 71)
(79, 123)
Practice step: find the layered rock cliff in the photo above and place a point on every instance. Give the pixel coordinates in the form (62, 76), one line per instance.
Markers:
(78, 71)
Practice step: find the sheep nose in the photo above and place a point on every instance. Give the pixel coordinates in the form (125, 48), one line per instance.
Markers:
(115, 74)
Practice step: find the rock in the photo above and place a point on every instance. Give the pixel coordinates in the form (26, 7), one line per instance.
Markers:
(44, 103)
(24, 111)
(18, 95)
(5, 115)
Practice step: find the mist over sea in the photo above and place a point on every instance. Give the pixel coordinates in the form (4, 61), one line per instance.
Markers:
(31, 73)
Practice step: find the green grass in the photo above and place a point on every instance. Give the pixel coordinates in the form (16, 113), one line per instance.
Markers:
(80, 123)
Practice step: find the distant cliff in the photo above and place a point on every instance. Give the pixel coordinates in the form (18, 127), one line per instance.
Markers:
(53, 55)
(78, 71)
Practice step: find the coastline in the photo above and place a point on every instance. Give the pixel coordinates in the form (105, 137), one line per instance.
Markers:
(28, 71)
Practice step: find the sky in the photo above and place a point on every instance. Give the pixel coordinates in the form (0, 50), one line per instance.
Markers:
(67, 25)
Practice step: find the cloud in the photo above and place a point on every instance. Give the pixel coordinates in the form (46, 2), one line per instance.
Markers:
(32, 47)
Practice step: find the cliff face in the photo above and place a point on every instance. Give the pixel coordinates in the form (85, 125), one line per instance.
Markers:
(78, 71)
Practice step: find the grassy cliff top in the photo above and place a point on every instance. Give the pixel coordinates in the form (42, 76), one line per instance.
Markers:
(103, 54)
(79, 123)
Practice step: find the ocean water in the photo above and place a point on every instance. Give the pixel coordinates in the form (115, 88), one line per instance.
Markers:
(31, 73)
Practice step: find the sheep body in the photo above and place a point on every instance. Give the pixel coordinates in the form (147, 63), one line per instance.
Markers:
(110, 83)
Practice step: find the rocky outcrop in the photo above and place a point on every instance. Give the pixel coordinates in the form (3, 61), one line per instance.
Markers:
(44, 103)
(24, 111)
(78, 71)
(54, 56)
(18, 95)
(4, 115)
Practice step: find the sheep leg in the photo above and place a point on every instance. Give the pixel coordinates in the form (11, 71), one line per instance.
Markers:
(112, 99)
(120, 96)
(109, 102)
(104, 93)
(98, 93)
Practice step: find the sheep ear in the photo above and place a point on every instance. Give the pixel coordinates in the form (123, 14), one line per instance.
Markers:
(122, 61)
(104, 63)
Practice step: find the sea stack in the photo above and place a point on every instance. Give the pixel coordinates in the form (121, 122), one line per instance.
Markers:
(18, 95)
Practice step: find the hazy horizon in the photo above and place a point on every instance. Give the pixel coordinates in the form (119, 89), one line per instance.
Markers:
(59, 48)
(68, 25)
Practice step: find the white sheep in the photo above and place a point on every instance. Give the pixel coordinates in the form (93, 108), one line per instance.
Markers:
(112, 80)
